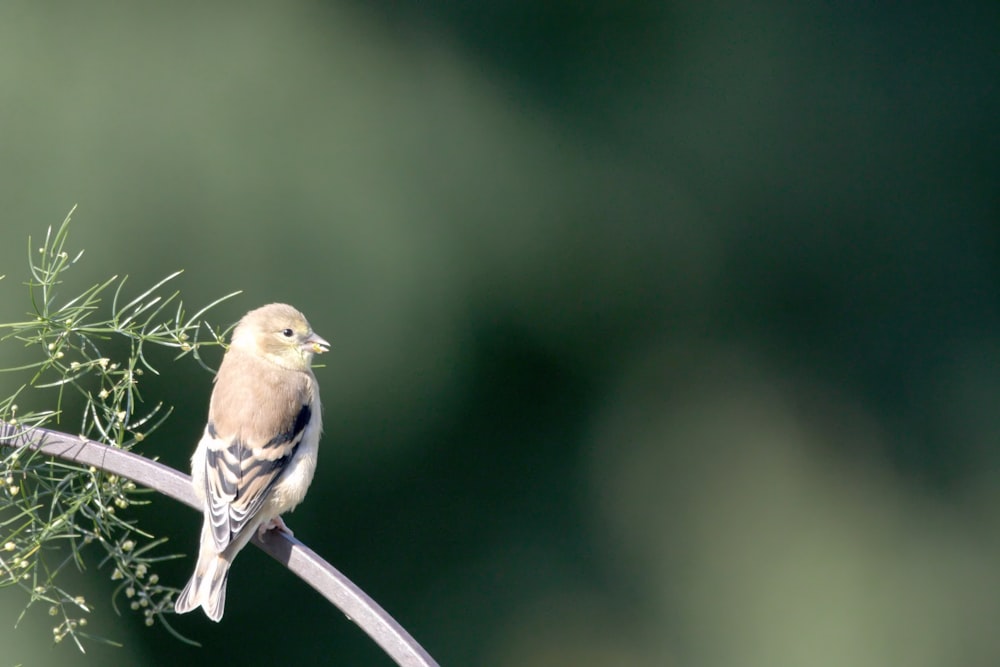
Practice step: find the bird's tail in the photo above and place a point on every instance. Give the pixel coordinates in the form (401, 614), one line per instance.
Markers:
(207, 587)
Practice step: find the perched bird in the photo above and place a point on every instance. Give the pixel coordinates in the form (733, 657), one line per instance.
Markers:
(258, 453)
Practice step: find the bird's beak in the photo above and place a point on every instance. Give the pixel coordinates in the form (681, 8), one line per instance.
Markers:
(315, 344)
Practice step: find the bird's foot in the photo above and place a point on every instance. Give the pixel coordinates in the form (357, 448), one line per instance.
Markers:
(277, 523)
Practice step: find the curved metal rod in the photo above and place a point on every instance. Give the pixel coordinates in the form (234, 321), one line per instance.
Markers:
(285, 549)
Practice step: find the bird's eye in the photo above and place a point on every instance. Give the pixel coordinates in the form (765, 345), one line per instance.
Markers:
(287, 333)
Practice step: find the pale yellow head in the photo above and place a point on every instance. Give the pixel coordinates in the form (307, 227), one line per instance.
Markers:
(280, 334)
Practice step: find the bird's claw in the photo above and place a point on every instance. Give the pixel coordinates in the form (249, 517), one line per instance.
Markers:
(277, 523)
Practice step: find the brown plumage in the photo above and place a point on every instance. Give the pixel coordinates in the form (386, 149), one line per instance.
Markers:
(258, 452)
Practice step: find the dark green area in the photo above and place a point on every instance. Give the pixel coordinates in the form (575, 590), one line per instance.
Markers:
(662, 333)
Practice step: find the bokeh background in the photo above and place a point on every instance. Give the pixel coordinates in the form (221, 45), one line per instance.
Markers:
(664, 333)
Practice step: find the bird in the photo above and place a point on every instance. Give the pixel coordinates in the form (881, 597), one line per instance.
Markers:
(257, 455)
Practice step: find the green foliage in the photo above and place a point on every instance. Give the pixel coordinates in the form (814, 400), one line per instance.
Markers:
(54, 513)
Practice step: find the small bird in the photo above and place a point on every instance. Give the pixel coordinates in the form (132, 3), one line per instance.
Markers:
(258, 452)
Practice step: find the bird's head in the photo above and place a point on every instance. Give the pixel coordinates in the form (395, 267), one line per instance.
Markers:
(279, 333)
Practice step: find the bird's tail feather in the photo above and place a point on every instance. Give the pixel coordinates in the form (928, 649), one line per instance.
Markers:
(207, 587)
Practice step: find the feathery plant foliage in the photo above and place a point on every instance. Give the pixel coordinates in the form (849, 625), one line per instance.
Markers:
(53, 513)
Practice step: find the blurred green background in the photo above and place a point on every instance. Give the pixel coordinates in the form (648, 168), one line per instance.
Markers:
(664, 333)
